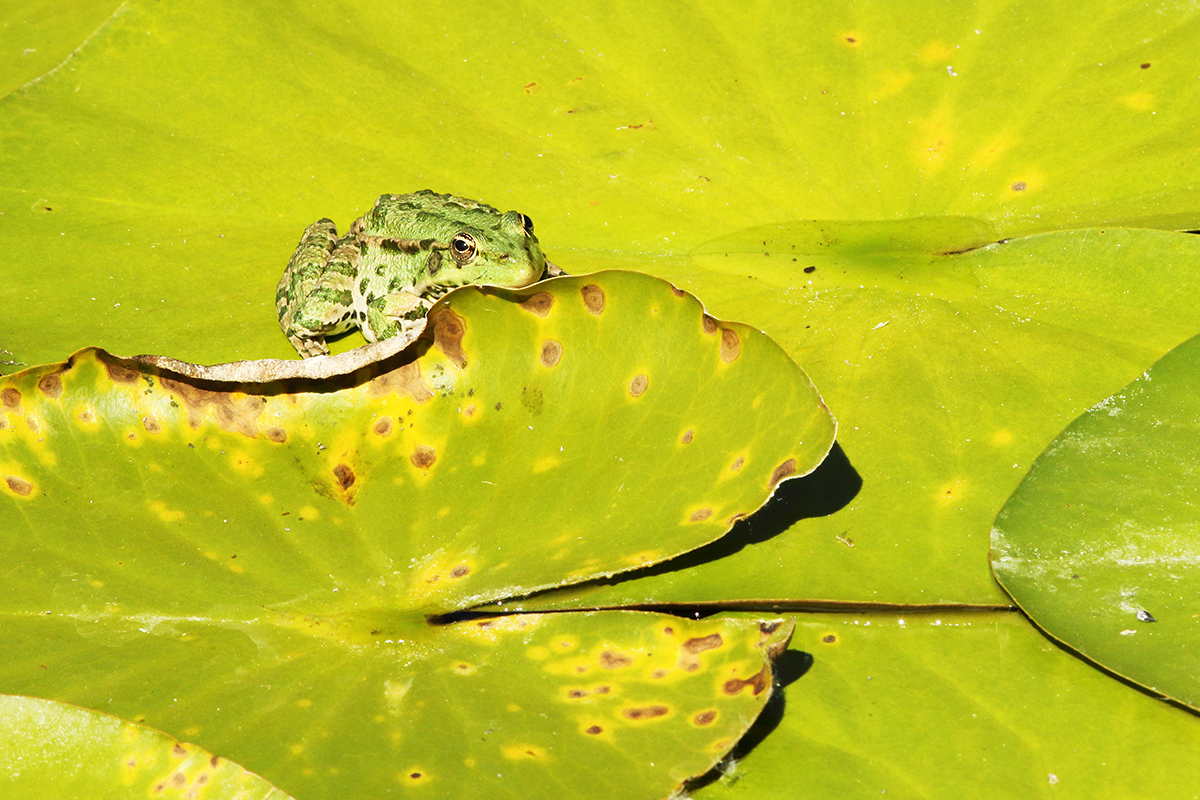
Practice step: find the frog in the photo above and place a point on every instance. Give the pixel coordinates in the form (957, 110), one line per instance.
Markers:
(395, 261)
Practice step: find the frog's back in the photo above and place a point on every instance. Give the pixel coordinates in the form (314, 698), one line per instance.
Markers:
(427, 214)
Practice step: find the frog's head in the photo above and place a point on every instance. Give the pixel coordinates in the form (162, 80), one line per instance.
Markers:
(476, 244)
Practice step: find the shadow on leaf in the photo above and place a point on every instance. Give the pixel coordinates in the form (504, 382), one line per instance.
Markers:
(826, 490)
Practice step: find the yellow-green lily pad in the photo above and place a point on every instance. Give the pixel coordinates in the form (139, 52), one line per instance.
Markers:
(262, 538)
(56, 751)
(1099, 542)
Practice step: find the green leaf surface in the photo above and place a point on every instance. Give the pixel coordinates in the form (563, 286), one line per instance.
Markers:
(950, 374)
(608, 704)
(951, 705)
(532, 444)
(55, 751)
(37, 36)
(1099, 543)
(152, 189)
(263, 538)
(626, 129)
(177, 232)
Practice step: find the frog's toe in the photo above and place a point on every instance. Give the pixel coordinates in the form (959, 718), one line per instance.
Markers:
(308, 348)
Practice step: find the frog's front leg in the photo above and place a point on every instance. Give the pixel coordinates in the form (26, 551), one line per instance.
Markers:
(393, 314)
(313, 299)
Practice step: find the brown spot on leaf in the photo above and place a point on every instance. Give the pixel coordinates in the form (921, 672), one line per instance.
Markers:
(19, 485)
(448, 330)
(551, 352)
(645, 712)
(344, 475)
(704, 717)
(239, 416)
(701, 515)
(423, 457)
(51, 385)
(384, 426)
(10, 397)
(1019, 186)
(119, 373)
(638, 385)
(610, 659)
(593, 298)
(738, 464)
(757, 682)
(462, 570)
(539, 304)
(710, 325)
(782, 471)
(595, 729)
(1146, 65)
(658, 673)
(277, 435)
(151, 424)
(829, 638)
(702, 643)
(404, 380)
(178, 750)
(678, 292)
(178, 780)
(602, 690)
(731, 346)
(575, 694)
(687, 436)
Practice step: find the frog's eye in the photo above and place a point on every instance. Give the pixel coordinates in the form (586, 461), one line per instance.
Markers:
(463, 247)
(527, 224)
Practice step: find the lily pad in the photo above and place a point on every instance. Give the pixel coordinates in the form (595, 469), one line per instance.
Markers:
(577, 429)
(945, 705)
(262, 537)
(1099, 543)
(54, 750)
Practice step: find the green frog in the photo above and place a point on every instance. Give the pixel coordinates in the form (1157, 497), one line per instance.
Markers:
(395, 261)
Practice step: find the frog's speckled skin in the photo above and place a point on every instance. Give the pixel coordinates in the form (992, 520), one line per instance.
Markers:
(395, 261)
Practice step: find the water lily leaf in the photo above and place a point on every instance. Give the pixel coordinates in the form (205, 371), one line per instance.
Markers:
(262, 537)
(54, 750)
(1099, 543)
(576, 429)
(493, 707)
(950, 705)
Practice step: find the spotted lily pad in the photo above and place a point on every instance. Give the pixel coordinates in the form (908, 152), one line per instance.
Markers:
(1099, 542)
(262, 538)
(54, 750)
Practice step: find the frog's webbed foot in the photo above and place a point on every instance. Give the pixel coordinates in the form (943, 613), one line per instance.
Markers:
(552, 271)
